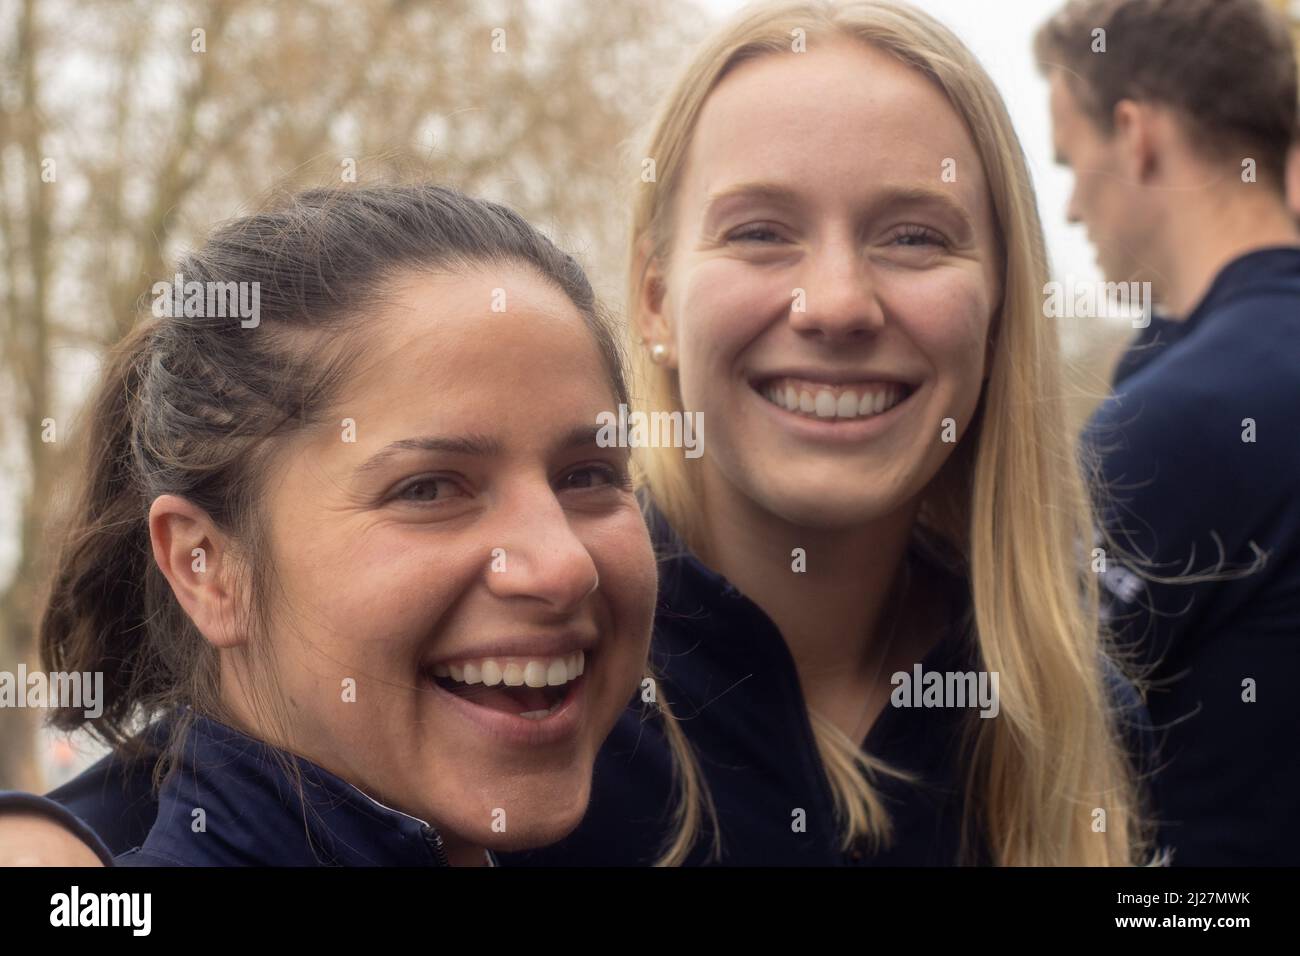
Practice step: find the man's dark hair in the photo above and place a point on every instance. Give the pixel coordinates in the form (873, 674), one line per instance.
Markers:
(1227, 67)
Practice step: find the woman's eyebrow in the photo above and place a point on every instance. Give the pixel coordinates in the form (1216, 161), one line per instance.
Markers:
(477, 445)
(480, 446)
(589, 436)
(921, 195)
(751, 191)
(889, 197)
(580, 436)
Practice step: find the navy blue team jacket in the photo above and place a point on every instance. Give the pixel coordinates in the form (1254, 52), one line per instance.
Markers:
(1189, 492)
(229, 801)
(732, 684)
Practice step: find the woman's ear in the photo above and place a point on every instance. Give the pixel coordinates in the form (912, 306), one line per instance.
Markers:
(195, 558)
(652, 322)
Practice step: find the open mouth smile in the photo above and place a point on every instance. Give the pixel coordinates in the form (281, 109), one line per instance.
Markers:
(538, 685)
(832, 403)
(522, 700)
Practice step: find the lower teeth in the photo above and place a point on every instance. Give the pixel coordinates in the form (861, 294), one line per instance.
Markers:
(540, 714)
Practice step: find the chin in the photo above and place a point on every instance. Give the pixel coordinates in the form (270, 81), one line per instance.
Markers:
(833, 516)
(539, 810)
(532, 838)
(830, 506)
(549, 825)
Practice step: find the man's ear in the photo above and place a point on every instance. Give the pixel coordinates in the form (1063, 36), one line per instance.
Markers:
(1135, 129)
(195, 558)
(653, 325)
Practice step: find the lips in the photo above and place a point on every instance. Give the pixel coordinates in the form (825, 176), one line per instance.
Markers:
(824, 400)
(529, 688)
(511, 700)
(514, 716)
(524, 690)
(541, 646)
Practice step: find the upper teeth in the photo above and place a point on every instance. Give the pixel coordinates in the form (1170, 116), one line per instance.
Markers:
(516, 672)
(833, 401)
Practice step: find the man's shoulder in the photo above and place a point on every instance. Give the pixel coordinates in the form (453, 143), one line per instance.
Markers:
(1240, 368)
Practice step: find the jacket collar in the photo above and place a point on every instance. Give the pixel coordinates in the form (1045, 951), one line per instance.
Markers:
(231, 800)
(681, 572)
(1243, 275)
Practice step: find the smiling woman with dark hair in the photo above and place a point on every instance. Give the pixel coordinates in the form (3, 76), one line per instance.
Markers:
(363, 548)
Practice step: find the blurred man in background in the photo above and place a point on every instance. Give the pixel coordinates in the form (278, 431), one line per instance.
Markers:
(1293, 177)
(1176, 118)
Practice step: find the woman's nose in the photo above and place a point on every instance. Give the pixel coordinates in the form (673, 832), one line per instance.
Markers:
(539, 556)
(837, 301)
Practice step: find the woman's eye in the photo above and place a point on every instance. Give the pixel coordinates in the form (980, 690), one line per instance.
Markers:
(919, 236)
(422, 490)
(754, 234)
(595, 476)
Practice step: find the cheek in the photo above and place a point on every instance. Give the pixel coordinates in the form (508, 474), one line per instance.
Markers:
(946, 316)
(722, 307)
(625, 561)
(1101, 199)
(366, 597)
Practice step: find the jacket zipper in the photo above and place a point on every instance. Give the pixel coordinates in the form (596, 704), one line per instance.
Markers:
(432, 838)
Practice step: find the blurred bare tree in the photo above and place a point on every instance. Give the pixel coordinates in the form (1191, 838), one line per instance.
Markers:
(126, 129)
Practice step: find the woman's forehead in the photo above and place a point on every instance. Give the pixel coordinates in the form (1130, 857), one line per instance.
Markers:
(480, 336)
(837, 122)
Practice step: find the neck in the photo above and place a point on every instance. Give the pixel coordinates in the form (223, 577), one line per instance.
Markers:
(460, 852)
(829, 613)
(1204, 233)
(463, 852)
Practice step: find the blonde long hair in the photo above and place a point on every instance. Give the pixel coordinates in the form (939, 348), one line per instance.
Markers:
(1011, 499)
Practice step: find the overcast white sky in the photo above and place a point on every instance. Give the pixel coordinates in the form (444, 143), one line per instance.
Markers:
(1000, 32)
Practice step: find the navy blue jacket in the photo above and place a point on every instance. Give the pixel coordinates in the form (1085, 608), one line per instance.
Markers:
(1146, 346)
(732, 683)
(731, 680)
(231, 801)
(1188, 493)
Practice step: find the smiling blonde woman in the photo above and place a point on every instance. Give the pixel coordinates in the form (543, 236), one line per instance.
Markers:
(884, 135)
(838, 263)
